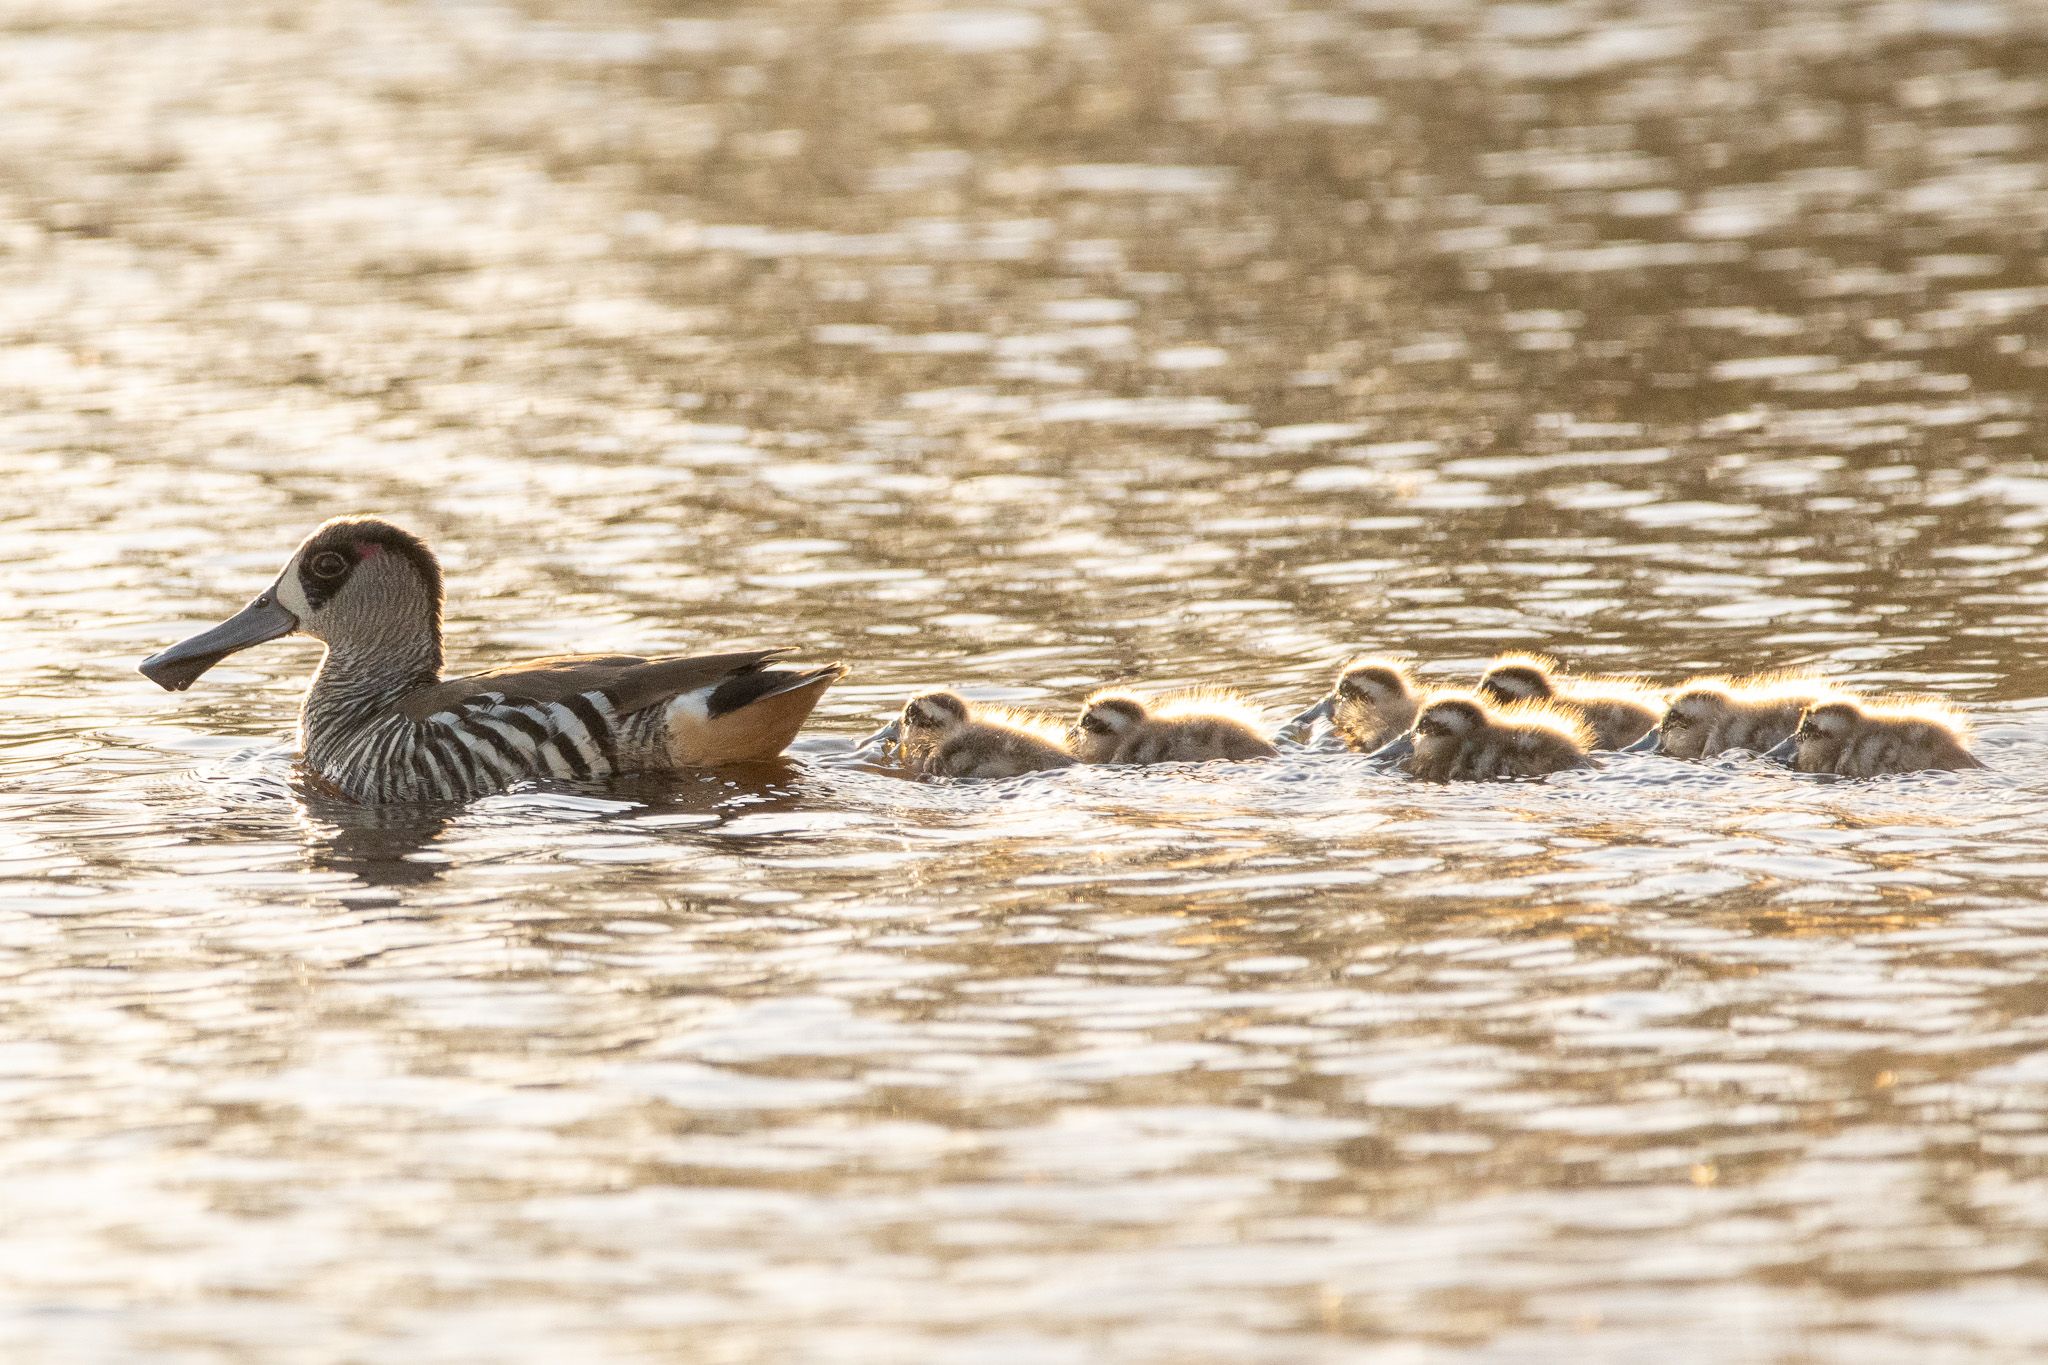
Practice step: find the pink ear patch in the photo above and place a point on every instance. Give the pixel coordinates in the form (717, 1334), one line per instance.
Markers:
(369, 549)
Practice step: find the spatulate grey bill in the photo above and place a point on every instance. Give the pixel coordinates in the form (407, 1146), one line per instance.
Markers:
(381, 724)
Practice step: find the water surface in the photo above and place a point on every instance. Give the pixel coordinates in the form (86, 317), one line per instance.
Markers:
(1021, 347)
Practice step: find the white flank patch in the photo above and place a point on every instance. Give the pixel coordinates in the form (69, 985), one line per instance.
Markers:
(691, 706)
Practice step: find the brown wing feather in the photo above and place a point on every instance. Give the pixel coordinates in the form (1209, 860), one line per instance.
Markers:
(628, 681)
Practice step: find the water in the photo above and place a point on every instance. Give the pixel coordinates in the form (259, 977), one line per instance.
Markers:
(1020, 347)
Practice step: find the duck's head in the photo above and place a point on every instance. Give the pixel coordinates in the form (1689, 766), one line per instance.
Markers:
(357, 584)
(1106, 720)
(1519, 677)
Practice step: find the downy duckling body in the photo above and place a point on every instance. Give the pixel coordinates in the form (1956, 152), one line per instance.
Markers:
(1197, 727)
(942, 734)
(1709, 716)
(1372, 704)
(1461, 737)
(1876, 737)
(1619, 711)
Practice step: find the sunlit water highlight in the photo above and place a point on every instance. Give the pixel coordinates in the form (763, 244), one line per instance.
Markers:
(1019, 348)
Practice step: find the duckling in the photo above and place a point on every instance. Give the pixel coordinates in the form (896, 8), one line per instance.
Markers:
(1620, 711)
(1374, 702)
(942, 734)
(1194, 727)
(1708, 716)
(1855, 737)
(1465, 737)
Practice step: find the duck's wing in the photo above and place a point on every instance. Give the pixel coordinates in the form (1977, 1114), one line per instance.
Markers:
(567, 710)
(626, 682)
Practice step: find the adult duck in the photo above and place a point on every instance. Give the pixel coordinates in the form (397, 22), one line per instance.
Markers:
(380, 724)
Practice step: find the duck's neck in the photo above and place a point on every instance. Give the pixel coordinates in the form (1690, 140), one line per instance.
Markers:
(357, 685)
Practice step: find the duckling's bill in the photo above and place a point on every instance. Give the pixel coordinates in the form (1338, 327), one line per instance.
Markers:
(1302, 724)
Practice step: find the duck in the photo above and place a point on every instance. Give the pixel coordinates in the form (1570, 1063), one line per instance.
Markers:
(942, 734)
(1619, 711)
(379, 724)
(1877, 737)
(1373, 702)
(1471, 737)
(1117, 726)
(1711, 715)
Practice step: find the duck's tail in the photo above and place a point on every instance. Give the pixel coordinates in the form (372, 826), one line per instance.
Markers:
(749, 717)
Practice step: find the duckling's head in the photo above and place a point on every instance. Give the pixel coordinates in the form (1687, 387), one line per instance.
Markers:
(1450, 720)
(933, 715)
(1824, 731)
(1690, 718)
(1106, 720)
(1519, 677)
(358, 584)
(1370, 691)
(1381, 684)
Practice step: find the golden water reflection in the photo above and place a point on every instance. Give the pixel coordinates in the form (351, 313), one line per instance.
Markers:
(1018, 347)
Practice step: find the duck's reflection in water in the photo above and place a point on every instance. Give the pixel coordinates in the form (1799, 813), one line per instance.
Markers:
(398, 845)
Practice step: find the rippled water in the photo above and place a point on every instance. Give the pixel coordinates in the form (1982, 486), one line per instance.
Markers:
(1018, 347)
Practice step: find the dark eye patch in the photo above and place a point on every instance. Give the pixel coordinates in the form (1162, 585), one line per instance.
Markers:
(322, 572)
(1095, 725)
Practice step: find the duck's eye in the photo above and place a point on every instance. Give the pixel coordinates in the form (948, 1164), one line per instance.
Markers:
(329, 564)
(1675, 720)
(1095, 725)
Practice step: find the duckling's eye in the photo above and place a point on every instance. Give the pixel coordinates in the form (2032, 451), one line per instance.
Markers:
(1095, 725)
(1676, 720)
(329, 564)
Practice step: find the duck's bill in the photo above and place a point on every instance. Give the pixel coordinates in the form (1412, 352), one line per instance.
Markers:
(178, 667)
(1397, 752)
(1652, 743)
(1305, 722)
(1786, 753)
(887, 735)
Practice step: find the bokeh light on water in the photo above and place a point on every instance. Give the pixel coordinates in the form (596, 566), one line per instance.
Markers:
(1017, 347)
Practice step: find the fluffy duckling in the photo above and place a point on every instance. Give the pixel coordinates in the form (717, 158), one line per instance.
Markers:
(1856, 737)
(1708, 716)
(1195, 727)
(1373, 703)
(1619, 711)
(1461, 737)
(941, 734)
